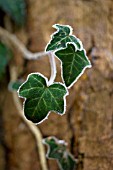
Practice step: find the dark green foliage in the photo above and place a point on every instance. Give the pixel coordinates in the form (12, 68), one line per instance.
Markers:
(16, 9)
(41, 99)
(61, 37)
(73, 63)
(57, 150)
(5, 56)
(70, 51)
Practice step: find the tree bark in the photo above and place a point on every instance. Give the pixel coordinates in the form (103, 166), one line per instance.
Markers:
(87, 125)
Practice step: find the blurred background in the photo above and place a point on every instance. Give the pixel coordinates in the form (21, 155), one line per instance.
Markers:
(87, 125)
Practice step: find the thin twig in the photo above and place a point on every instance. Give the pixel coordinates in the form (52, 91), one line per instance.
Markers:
(35, 130)
(53, 68)
(11, 39)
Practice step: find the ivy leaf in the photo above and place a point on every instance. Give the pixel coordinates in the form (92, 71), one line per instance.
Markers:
(41, 98)
(16, 9)
(57, 150)
(73, 63)
(5, 56)
(61, 37)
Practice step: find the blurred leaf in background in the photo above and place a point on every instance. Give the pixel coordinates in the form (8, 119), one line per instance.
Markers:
(16, 9)
(5, 56)
(14, 86)
(57, 150)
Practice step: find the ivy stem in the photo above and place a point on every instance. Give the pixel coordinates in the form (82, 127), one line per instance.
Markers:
(53, 68)
(35, 130)
(11, 40)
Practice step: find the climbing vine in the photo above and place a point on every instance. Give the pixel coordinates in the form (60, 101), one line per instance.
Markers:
(42, 95)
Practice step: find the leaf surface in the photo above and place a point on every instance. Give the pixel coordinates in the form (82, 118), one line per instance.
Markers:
(57, 150)
(41, 99)
(73, 63)
(61, 37)
(16, 9)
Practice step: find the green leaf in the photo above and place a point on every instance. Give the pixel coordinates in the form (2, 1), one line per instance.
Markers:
(14, 86)
(57, 150)
(5, 56)
(16, 9)
(41, 98)
(73, 63)
(61, 37)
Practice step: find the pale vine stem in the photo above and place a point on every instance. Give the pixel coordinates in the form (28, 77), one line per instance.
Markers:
(35, 130)
(53, 68)
(12, 41)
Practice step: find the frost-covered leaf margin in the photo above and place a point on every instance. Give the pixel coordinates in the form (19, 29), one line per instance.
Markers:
(60, 153)
(64, 97)
(87, 66)
(73, 39)
(61, 48)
